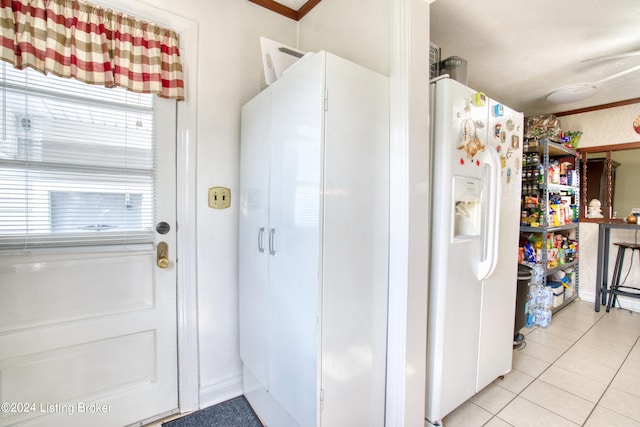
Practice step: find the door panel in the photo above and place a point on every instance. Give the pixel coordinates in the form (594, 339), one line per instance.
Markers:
(73, 367)
(253, 235)
(498, 291)
(88, 337)
(294, 273)
(355, 246)
(118, 284)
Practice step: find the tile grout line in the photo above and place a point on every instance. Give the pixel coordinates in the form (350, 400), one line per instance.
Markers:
(563, 353)
(611, 382)
(551, 364)
(543, 371)
(595, 405)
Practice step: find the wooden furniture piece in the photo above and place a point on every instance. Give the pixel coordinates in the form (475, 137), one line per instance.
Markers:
(598, 177)
(607, 175)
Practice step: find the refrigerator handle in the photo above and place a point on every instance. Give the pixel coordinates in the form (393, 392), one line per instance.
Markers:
(491, 228)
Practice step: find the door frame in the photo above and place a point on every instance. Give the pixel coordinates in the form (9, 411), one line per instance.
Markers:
(410, 213)
(188, 361)
(186, 139)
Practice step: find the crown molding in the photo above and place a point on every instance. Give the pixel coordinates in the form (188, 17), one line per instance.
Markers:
(283, 10)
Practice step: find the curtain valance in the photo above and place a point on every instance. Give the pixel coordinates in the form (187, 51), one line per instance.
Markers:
(71, 38)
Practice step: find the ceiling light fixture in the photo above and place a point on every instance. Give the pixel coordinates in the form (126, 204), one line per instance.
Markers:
(578, 92)
(572, 93)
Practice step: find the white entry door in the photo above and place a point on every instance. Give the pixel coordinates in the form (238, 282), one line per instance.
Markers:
(88, 334)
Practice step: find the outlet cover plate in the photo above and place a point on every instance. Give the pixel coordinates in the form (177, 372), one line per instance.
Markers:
(219, 197)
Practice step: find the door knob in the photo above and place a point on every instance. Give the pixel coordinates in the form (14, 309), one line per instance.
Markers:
(163, 255)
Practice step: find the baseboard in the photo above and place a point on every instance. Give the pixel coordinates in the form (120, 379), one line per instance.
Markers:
(228, 388)
(632, 304)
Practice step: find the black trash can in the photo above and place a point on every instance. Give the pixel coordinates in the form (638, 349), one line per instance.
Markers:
(525, 274)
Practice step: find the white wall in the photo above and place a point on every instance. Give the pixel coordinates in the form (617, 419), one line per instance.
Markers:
(353, 29)
(229, 75)
(627, 196)
(603, 127)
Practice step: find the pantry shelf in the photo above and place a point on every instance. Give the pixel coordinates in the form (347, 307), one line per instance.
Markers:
(565, 227)
(562, 267)
(558, 188)
(549, 219)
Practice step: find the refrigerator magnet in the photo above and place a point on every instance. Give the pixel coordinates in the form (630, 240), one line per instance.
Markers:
(480, 99)
(498, 130)
(508, 175)
(510, 125)
(515, 141)
(503, 137)
(498, 110)
(471, 143)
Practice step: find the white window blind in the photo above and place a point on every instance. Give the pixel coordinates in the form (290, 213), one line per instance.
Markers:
(77, 163)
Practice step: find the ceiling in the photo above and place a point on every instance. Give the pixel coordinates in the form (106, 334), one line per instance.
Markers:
(518, 52)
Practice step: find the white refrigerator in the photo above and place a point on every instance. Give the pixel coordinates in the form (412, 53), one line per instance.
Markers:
(477, 167)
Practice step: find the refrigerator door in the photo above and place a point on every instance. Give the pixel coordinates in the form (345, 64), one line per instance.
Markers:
(460, 214)
(499, 289)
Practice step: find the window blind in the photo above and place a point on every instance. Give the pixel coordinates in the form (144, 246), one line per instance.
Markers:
(77, 163)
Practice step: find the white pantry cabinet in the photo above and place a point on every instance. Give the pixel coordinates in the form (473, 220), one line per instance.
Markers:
(314, 238)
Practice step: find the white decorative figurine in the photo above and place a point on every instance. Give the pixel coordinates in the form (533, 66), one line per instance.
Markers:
(594, 210)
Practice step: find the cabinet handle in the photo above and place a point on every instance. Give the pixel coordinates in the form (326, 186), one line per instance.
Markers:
(272, 241)
(260, 239)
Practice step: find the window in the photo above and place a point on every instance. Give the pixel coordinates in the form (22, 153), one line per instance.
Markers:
(77, 163)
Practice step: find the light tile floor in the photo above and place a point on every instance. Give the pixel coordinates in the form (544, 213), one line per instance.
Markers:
(584, 370)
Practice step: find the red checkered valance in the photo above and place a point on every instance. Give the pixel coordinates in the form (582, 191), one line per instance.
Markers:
(72, 38)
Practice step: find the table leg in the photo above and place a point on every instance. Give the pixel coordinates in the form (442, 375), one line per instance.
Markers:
(598, 289)
(605, 265)
(615, 281)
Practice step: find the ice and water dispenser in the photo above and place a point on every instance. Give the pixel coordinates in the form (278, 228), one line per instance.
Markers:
(467, 208)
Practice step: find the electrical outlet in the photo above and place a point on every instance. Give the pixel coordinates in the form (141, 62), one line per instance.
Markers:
(219, 197)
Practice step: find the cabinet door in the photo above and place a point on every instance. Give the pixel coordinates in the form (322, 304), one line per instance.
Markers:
(253, 233)
(355, 246)
(294, 236)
